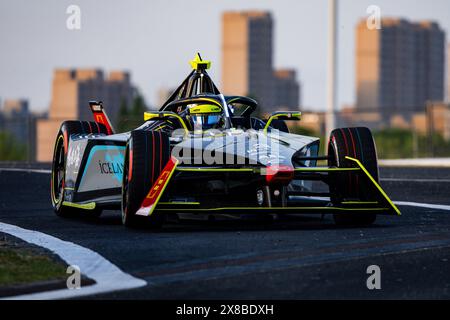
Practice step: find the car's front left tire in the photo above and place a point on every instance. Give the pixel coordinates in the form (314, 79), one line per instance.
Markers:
(146, 155)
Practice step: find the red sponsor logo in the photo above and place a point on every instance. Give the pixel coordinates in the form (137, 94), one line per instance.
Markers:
(152, 197)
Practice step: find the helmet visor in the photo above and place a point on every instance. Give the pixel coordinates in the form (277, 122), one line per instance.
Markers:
(206, 122)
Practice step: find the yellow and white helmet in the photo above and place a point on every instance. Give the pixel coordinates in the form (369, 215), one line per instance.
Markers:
(205, 117)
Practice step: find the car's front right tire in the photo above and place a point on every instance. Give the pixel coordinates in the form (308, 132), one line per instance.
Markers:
(357, 143)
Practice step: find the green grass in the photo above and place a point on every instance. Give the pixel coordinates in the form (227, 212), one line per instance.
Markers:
(21, 266)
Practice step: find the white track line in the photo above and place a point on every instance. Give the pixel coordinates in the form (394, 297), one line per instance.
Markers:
(26, 170)
(415, 180)
(417, 163)
(423, 205)
(107, 276)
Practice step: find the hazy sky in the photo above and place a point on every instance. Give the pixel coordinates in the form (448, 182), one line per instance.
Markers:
(155, 39)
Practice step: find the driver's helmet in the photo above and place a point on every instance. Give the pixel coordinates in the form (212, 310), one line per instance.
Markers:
(205, 117)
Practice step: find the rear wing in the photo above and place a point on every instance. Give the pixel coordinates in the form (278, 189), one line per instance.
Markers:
(100, 115)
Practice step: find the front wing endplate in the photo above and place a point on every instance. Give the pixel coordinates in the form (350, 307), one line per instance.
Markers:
(155, 193)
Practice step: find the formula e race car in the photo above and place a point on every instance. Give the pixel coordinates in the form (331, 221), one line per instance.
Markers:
(204, 154)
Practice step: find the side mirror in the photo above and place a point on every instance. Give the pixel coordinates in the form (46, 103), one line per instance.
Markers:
(286, 116)
(165, 115)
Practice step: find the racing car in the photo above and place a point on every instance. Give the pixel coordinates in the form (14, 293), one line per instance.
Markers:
(206, 154)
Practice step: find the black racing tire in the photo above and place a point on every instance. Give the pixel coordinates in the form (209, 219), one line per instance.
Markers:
(146, 155)
(357, 143)
(67, 129)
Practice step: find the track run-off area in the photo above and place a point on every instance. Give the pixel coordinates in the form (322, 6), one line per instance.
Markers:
(295, 257)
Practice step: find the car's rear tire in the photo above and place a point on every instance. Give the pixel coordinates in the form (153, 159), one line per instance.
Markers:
(357, 143)
(146, 155)
(67, 129)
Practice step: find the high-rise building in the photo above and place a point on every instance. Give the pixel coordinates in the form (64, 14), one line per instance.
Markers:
(72, 90)
(247, 56)
(247, 63)
(287, 89)
(15, 108)
(399, 67)
(438, 119)
(448, 73)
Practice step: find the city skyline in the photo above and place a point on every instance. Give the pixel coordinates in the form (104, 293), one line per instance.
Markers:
(33, 28)
(400, 67)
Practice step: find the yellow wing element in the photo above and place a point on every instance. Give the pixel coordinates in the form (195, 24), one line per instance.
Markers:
(163, 115)
(84, 206)
(288, 115)
(389, 201)
(199, 64)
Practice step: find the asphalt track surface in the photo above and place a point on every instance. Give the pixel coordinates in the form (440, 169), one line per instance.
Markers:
(294, 258)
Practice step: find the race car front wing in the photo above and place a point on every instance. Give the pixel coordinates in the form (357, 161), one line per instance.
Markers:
(381, 203)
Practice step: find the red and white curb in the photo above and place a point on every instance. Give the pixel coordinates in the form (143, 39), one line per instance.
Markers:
(107, 276)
